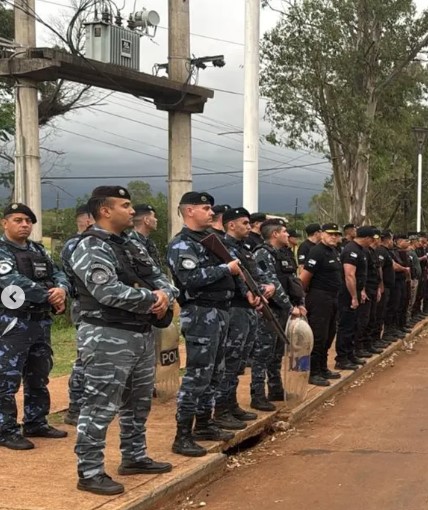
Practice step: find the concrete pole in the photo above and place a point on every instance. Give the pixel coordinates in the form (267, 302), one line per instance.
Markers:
(419, 193)
(180, 124)
(27, 157)
(251, 106)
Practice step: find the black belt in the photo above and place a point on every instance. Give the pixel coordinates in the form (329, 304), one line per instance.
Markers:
(29, 316)
(221, 305)
(137, 328)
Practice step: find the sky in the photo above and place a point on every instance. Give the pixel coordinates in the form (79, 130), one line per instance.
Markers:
(217, 27)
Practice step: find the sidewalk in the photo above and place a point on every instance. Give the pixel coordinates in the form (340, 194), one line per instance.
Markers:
(45, 478)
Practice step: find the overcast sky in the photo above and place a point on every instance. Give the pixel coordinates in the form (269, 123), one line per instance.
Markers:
(137, 126)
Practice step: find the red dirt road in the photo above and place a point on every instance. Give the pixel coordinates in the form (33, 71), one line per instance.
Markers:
(367, 451)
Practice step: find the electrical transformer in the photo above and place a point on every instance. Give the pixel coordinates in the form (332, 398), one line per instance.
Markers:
(112, 44)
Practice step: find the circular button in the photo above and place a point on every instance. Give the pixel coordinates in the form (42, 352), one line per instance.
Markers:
(12, 297)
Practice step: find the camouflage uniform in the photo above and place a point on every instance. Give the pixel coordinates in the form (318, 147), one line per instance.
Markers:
(242, 325)
(25, 350)
(206, 288)
(149, 244)
(116, 345)
(269, 349)
(75, 382)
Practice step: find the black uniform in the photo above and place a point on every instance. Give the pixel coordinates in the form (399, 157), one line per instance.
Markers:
(388, 275)
(321, 301)
(303, 251)
(355, 255)
(420, 252)
(367, 310)
(253, 240)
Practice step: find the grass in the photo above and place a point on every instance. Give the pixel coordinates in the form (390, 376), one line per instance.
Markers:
(64, 348)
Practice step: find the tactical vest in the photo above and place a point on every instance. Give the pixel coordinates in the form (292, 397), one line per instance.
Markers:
(216, 292)
(132, 270)
(37, 267)
(286, 275)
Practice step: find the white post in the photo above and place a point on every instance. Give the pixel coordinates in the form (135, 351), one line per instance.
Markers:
(419, 197)
(251, 106)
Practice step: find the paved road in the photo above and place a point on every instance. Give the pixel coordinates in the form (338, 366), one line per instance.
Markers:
(367, 452)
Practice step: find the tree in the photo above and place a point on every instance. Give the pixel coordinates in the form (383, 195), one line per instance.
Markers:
(331, 69)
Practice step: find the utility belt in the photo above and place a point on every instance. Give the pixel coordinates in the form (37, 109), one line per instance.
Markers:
(28, 316)
(206, 303)
(136, 328)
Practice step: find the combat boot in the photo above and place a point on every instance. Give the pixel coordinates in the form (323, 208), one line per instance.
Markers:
(100, 484)
(184, 444)
(262, 404)
(206, 430)
(224, 419)
(238, 412)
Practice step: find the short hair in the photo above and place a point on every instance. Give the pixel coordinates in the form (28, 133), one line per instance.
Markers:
(95, 204)
(268, 230)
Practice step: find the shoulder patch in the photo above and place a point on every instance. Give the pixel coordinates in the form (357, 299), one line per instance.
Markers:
(5, 267)
(188, 263)
(100, 273)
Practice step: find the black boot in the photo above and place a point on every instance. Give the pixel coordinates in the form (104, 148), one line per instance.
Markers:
(183, 443)
(238, 412)
(100, 484)
(206, 430)
(262, 404)
(224, 419)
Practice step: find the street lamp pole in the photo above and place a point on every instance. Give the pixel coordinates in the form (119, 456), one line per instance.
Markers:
(421, 135)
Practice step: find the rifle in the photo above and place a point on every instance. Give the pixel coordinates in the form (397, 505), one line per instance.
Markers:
(213, 244)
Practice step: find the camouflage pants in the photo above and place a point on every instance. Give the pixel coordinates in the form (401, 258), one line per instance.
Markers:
(241, 337)
(75, 382)
(118, 378)
(25, 354)
(204, 330)
(267, 357)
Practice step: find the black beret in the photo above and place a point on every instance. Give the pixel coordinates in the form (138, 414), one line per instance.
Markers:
(312, 228)
(111, 192)
(276, 222)
(400, 236)
(220, 209)
(367, 231)
(234, 214)
(331, 228)
(197, 198)
(257, 216)
(349, 225)
(17, 207)
(82, 209)
(293, 233)
(142, 209)
(386, 234)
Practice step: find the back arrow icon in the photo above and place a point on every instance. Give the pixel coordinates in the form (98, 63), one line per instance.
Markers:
(12, 298)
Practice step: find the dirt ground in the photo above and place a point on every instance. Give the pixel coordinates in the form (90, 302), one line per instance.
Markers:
(365, 449)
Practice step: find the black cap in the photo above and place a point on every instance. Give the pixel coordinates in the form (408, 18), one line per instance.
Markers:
(82, 209)
(312, 228)
(293, 233)
(400, 236)
(349, 225)
(368, 231)
(220, 209)
(331, 228)
(257, 216)
(111, 192)
(141, 209)
(277, 222)
(386, 234)
(197, 198)
(17, 207)
(235, 213)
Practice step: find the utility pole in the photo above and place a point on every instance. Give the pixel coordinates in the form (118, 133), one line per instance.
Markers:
(421, 135)
(180, 123)
(27, 152)
(251, 106)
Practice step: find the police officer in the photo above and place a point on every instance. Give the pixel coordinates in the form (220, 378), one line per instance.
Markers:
(75, 382)
(421, 252)
(145, 223)
(366, 321)
(415, 274)
(386, 263)
(255, 238)
(217, 223)
(402, 246)
(322, 279)
(349, 233)
(206, 288)
(351, 295)
(121, 295)
(293, 242)
(25, 348)
(268, 348)
(242, 323)
(313, 232)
